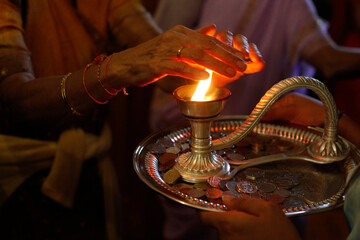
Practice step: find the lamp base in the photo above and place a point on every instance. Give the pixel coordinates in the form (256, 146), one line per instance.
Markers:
(195, 168)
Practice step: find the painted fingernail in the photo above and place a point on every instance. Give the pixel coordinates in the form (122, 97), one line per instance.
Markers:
(231, 71)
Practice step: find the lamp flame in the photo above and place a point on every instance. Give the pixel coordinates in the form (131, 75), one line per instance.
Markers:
(202, 87)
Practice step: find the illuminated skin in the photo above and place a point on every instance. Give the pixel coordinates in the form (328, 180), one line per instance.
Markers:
(157, 58)
(251, 219)
(259, 219)
(254, 61)
(250, 55)
(137, 66)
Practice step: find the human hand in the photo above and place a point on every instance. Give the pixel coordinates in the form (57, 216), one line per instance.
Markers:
(297, 108)
(253, 58)
(251, 219)
(178, 52)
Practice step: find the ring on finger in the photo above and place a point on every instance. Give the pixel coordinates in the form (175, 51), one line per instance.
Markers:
(178, 54)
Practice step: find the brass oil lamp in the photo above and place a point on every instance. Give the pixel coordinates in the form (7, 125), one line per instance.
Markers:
(202, 162)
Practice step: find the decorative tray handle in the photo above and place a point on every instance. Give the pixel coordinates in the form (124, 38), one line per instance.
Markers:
(328, 148)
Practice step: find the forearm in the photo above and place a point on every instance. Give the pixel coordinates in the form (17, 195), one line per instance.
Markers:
(349, 130)
(39, 102)
(334, 61)
(130, 23)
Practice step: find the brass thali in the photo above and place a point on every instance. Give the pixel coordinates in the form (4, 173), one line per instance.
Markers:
(305, 187)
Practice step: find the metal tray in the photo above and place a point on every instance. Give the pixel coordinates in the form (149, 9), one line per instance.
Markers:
(315, 188)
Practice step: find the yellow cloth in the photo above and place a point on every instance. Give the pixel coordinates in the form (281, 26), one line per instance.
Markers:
(22, 157)
(61, 39)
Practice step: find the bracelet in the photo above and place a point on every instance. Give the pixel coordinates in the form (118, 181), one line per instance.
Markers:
(117, 90)
(99, 60)
(87, 91)
(63, 96)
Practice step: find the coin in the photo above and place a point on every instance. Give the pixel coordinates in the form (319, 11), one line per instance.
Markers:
(196, 193)
(166, 166)
(214, 181)
(231, 185)
(164, 158)
(213, 193)
(166, 142)
(266, 187)
(282, 192)
(246, 187)
(222, 185)
(275, 198)
(185, 190)
(180, 185)
(254, 173)
(171, 176)
(202, 185)
(235, 156)
(156, 148)
(283, 182)
(174, 150)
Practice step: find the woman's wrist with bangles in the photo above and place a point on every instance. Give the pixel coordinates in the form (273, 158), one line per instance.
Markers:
(102, 90)
(94, 82)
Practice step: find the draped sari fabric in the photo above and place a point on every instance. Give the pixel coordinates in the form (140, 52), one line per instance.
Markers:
(63, 36)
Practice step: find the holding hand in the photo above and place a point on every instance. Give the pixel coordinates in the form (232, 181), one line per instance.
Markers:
(185, 53)
(252, 56)
(251, 219)
(297, 108)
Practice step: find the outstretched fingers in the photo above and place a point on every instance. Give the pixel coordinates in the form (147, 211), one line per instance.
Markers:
(256, 62)
(213, 47)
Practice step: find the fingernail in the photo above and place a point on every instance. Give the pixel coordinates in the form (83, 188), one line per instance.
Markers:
(240, 54)
(241, 65)
(204, 75)
(231, 71)
(230, 33)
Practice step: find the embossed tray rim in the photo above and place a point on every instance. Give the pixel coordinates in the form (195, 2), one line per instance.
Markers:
(146, 169)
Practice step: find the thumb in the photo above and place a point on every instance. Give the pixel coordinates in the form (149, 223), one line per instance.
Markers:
(284, 113)
(251, 206)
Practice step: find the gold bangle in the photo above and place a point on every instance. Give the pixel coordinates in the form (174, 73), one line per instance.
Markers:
(63, 96)
(100, 61)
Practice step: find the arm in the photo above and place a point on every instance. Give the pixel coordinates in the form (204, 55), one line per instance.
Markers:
(334, 61)
(130, 23)
(300, 109)
(251, 219)
(32, 101)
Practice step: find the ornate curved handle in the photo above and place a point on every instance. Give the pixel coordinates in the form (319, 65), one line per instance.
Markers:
(329, 148)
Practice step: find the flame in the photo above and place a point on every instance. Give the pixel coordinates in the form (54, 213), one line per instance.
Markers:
(202, 88)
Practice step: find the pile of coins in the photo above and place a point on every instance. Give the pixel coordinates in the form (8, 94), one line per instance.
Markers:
(270, 182)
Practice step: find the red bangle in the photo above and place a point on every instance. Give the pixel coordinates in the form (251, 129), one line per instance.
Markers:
(99, 60)
(94, 99)
(117, 90)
